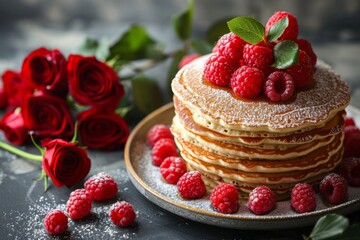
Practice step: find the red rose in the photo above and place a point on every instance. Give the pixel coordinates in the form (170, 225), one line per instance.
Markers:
(46, 71)
(102, 130)
(47, 116)
(65, 162)
(92, 82)
(14, 128)
(3, 101)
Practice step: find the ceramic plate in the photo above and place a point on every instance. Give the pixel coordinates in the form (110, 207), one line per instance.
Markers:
(147, 179)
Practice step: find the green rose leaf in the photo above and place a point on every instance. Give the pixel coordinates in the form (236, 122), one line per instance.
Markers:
(93, 47)
(182, 22)
(277, 29)
(174, 66)
(286, 54)
(249, 29)
(330, 225)
(200, 46)
(216, 30)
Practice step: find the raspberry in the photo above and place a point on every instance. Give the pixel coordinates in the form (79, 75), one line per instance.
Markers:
(302, 72)
(349, 121)
(230, 46)
(101, 187)
(291, 32)
(162, 149)
(157, 132)
(79, 204)
(122, 214)
(351, 141)
(219, 69)
(350, 169)
(305, 45)
(333, 188)
(187, 59)
(247, 81)
(172, 168)
(191, 185)
(258, 56)
(303, 198)
(225, 198)
(279, 86)
(56, 222)
(261, 200)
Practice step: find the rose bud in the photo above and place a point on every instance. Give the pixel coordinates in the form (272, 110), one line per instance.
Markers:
(102, 130)
(14, 129)
(65, 162)
(92, 82)
(46, 70)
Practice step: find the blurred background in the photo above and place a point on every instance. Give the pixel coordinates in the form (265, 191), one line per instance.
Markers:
(332, 26)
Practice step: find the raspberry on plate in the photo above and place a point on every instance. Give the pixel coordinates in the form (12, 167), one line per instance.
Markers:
(122, 214)
(279, 86)
(291, 32)
(247, 81)
(302, 72)
(258, 56)
(162, 149)
(351, 141)
(172, 168)
(225, 198)
(350, 169)
(230, 46)
(261, 200)
(79, 204)
(303, 198)
(188, 59)
(333, 188)
(305, 45)
(219, 69)
(191, 185)
(56, 222)
(349, 121)
(101, 186)
(158, 132)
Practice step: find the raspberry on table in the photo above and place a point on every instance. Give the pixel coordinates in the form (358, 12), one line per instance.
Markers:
(122, 214)
(225, 198)
(333, 188)
(56, 222)
(350, 169)
(157, 132)
(188, 59)
(351, 141)
(291, 32)
(172, 168)
(191, 185)
(302, 72)
(303, 198)
(162, 149)
(79, 204)
(219, 69)
(305, 45)
(247, 81)
(101, 186)
(279, 86)
(230, 46)
(349, 121)
(258, 56)
(261, 200)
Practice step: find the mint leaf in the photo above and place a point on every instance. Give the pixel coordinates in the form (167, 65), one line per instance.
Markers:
(249, 29)
(200, 46)
(328, 226)
(277, 29)
(216, 30)
(182, 22)
(286, 54)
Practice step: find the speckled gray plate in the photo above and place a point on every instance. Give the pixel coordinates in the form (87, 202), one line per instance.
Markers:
(148, 181)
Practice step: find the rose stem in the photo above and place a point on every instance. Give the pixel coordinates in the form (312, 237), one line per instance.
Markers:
(21, 153)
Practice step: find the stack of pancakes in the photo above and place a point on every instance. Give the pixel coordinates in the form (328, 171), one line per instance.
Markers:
(258, 142)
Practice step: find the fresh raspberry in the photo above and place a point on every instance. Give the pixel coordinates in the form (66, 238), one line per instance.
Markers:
(187, 59)
(172, 168)
(291, 32)
(162, 149)
(350, 169)
(258, 56)
(219, 69)
(225, 198)
(101, 186)
(279, 86)
(157, 132)
(305, 45)
(122, 214)
(333, 188)
(351, 141)
(302, 72)
(349, 121)
(191, 185)
(261, 200)
(247, 81)
(56, 222)
(350, 130)
(230, 46)
(303, 198)
(79, 204)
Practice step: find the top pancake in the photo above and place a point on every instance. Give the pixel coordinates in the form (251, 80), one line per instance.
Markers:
(219, 109)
